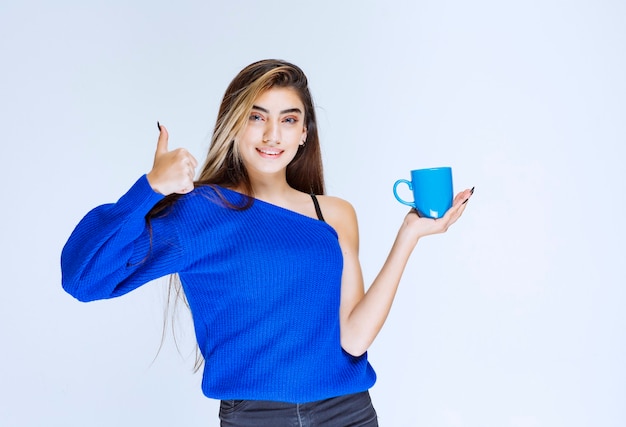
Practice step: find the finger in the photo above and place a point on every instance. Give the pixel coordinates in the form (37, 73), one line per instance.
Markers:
(459, 198)
(454, 212)
(461, 209)
(194, 162)
(470, 193)
(190, 164)
(463, 196)
(162, 142)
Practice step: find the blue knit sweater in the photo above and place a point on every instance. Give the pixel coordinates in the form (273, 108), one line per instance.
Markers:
(263, 285)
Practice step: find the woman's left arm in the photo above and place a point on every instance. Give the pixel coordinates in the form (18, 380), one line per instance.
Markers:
(362, 314)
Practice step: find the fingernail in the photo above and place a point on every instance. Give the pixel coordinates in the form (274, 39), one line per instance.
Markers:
(159, 125)
(472, 190)
(465, 201)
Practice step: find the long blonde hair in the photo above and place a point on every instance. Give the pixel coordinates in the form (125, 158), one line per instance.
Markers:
(223, 165)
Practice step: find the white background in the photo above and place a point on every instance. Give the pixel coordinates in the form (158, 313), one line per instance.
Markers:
(514, 318)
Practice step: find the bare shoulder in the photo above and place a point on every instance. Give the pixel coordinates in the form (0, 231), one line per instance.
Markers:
(339, 213)
(335, 206)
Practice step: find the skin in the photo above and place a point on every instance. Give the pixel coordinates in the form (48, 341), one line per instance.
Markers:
(272, 137)
(172, 171)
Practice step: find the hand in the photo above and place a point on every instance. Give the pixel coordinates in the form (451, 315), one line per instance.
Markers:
(421, 226)
(172, 171)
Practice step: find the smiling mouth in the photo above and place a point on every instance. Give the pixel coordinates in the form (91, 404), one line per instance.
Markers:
(269, 152)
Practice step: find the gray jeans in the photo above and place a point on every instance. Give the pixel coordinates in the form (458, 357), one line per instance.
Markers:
(353, 410)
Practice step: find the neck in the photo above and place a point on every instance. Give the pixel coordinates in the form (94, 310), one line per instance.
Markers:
(270, 188)
(271, 191)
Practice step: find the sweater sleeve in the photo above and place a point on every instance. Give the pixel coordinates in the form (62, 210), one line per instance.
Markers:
(112, 250)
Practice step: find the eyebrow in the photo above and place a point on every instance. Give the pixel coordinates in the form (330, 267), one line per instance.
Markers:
(287, 111)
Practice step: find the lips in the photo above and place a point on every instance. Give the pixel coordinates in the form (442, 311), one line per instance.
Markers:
(269, 152)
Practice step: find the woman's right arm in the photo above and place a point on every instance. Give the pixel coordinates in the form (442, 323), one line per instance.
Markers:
(113, 250)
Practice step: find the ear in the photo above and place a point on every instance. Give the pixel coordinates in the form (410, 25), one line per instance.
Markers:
(304, 134)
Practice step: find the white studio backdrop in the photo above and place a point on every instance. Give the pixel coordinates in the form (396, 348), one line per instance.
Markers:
(513, 318)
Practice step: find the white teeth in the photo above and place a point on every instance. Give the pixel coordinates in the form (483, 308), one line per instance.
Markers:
(270, 153)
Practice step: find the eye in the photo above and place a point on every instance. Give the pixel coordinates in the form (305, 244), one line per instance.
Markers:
(255, 117)
(291, 120)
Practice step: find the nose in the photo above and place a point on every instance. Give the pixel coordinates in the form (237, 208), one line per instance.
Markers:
(272, 133)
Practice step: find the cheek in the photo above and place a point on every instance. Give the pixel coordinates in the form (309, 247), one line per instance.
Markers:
(247, 136)
(297, 134)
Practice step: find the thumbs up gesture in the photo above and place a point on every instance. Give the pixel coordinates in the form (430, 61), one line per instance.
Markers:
(172, 171)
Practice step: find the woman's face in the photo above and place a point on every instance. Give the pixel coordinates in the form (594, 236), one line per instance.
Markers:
(273, 133)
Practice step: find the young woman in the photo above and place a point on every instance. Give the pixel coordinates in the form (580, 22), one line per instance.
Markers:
(268, 264)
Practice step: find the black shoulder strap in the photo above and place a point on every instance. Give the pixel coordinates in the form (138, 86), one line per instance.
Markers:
(317, 208)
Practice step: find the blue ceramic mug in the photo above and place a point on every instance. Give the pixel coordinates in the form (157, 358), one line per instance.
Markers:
(432, 191)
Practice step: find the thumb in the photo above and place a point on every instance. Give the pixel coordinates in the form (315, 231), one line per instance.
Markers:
(162, 142)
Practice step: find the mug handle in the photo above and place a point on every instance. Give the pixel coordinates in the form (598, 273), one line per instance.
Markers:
(395, 192)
